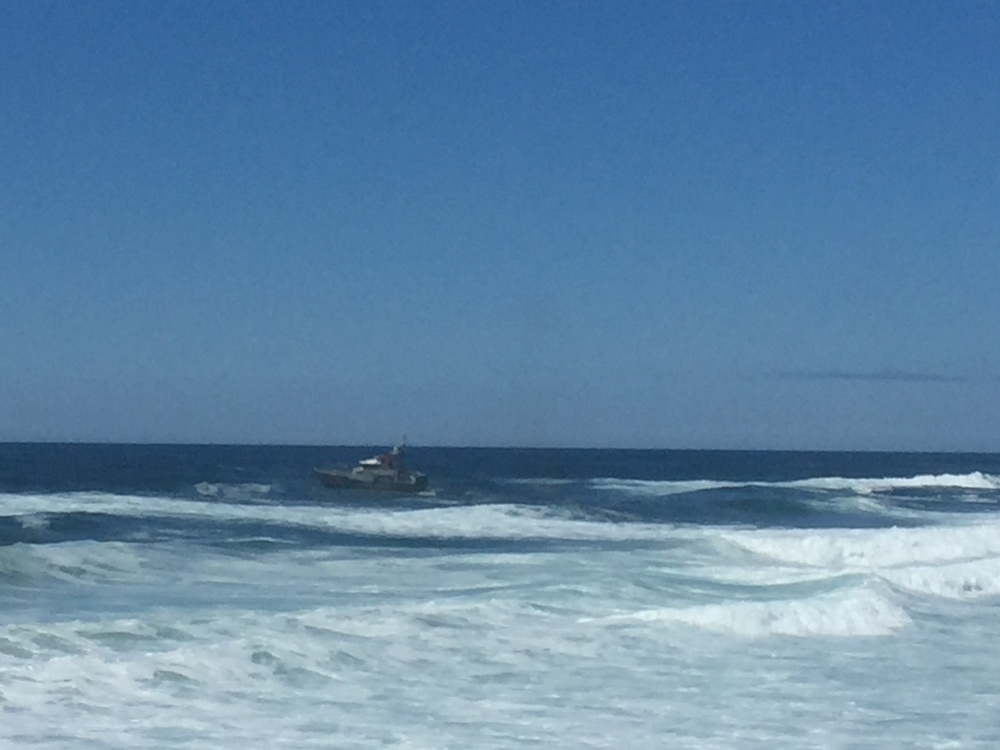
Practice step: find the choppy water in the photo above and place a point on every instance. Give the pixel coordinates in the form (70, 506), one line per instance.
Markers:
(213, 597)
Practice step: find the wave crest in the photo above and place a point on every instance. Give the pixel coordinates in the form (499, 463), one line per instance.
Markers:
(855, 613)
(975, 480)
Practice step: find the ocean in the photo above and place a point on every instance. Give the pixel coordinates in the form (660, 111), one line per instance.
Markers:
(219, 597)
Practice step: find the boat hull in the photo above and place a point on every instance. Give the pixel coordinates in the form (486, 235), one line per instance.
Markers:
(347, 480)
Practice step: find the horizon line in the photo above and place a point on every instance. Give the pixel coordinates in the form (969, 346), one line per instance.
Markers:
(368, 445)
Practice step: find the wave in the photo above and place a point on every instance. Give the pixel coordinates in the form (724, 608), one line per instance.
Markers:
(867, 549)
(963, 580)
(246, 490)
(831, 547)
(951, 562)
(77, 562)
(492, 521)
(852, 613)
(975, 480)
(656, 488)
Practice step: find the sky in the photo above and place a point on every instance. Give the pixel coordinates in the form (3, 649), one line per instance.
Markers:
(658, 224)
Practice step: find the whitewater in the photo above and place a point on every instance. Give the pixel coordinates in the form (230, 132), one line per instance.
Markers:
(217, 596)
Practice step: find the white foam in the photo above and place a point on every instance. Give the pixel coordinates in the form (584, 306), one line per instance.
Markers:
(960, 562)
(34, 520)
(243, 676)
(232, 491)
(975, 480)
(659, 488)
(869, 549)
(856, 612)
(964, 580)
(539, 481)
(493, 651)
(494, 521)
(85, 562)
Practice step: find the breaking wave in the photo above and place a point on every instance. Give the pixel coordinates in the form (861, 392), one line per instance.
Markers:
(853, 613)
(975, 480)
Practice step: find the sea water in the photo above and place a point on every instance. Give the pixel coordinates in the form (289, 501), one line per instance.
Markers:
(215, 597)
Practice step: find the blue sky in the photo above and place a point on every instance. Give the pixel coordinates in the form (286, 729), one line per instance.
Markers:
(650, 224)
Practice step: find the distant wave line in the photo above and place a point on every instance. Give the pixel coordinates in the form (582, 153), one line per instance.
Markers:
(975, 480)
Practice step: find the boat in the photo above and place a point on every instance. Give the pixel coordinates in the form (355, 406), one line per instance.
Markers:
(386, 472)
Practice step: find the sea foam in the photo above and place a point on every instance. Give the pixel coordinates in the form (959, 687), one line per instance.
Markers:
(852, 613)
(866, 549)
(975, 480)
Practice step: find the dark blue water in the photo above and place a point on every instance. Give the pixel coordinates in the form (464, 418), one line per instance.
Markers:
(751, 488)
(55, 467)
